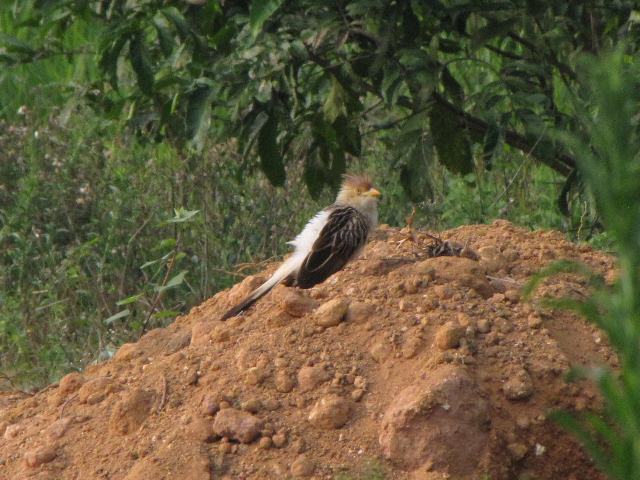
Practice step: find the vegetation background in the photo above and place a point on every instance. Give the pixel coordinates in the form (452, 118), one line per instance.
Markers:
(153, 152)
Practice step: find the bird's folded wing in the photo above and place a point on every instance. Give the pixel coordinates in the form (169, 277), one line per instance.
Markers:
(344, 234)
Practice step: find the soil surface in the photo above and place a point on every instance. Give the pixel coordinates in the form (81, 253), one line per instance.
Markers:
(412, 366)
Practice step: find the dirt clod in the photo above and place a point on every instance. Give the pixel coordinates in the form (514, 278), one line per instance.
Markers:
(331, 411)
(237, 425)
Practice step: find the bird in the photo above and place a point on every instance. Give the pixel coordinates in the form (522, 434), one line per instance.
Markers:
(331, 239)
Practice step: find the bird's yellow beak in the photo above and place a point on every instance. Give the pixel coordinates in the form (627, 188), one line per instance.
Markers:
(372, 192)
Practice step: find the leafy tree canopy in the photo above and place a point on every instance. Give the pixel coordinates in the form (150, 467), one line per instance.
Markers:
(309, 80)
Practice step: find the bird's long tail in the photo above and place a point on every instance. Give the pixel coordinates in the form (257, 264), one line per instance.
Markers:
(291, 265)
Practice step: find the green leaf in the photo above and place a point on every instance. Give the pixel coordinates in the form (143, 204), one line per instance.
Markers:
(253, 131)
(259, 12)
(492, 30)
(334, 104)
(183, 215)
(139, 57)
(13, 44)
(117, 316)
(165, 37)
(198, 114)
(270, 157)
(451, 140)
(178, 21)
(129, 300)
(173, 282)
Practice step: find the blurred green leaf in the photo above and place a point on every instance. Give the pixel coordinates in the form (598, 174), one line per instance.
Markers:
(260, 12)
(117, 316)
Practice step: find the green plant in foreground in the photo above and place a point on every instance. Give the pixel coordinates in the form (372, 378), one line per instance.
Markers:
(608, 150)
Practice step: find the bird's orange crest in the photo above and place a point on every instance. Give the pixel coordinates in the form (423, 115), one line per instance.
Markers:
(357, 182)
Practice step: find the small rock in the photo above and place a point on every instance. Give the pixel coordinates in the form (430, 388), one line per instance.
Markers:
(484, 325)
(443, 292)
(331, 411)
(357, 394)
(265, 443)
(359, 312)
(517, 450)
(310, 377)
(380, 351)
(270, 404)
(332, 312)
(519, 386)
(360, 382)
(96, 390)
(302, 467)
(512, 295)
(58, 428)
(279, 439)
(252, 405)
(39, 456)
(12, 431)
(237, 425)
(534, 321)
(411, 346)
(296, 304)
(210, 405)
(255, 375)
(448, 336)
(284, 382)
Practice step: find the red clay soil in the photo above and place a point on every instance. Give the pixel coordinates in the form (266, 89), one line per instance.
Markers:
(426, 368)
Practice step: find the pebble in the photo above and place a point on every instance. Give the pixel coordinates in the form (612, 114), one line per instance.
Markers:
(297, 305)
(39, 456)
(359, 312)
(534, 321)
(279, 439)
(255, 375)
(209, 405)
(332, 312)
(443, 292)
(12, 431)
(310, 377)
(411, 347)
(519, 386)
(58, 428)
(252, 405)
(448, 336)
(380, 351)
(357, 394)
(331, 411)
(265, 443)
(284, 382)
(237, 425)
(483, 325)
(517, 450)
(302, 467)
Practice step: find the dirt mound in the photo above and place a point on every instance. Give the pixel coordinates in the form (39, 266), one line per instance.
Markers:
(426, 368)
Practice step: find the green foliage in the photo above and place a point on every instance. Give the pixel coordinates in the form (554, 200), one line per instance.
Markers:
(607, 146)
(301, 82)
